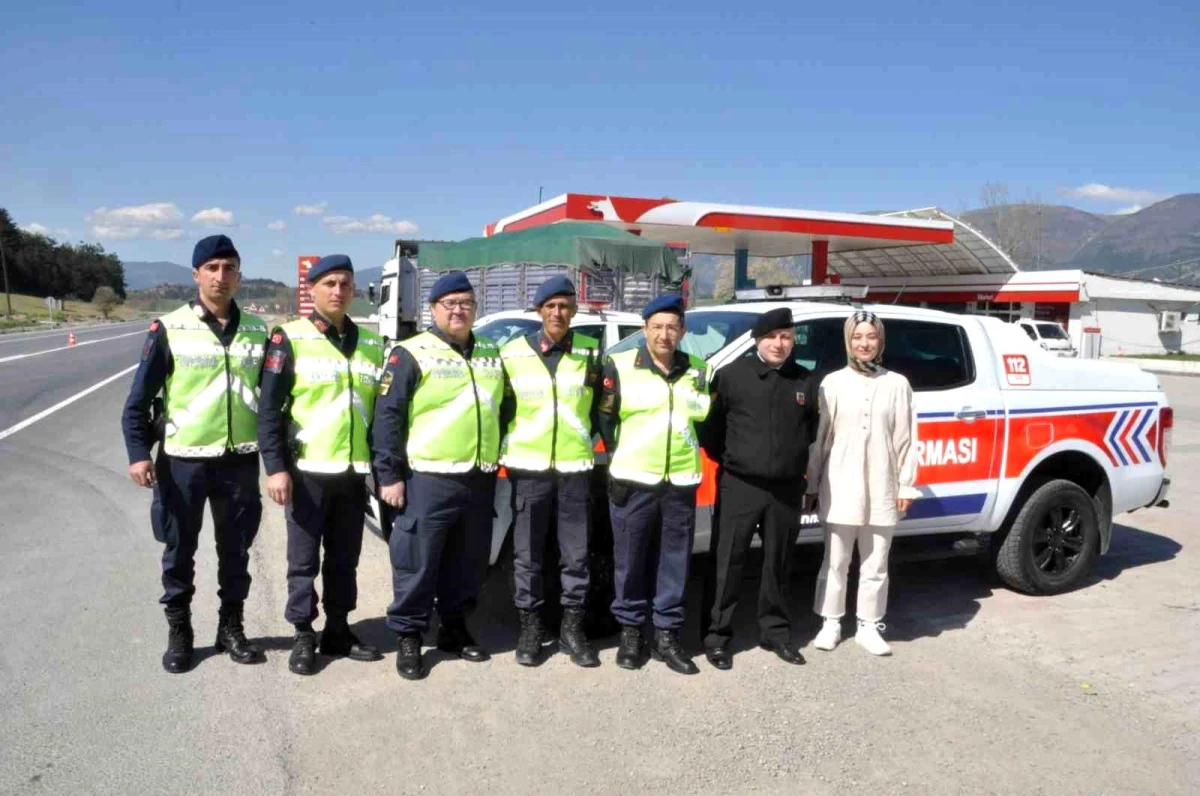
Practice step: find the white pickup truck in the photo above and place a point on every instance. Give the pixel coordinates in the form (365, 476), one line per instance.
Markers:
(1036, 451)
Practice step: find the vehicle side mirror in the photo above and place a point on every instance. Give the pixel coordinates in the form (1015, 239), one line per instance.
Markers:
(371, 291)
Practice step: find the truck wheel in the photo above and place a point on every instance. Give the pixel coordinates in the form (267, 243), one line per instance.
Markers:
(1053, 541)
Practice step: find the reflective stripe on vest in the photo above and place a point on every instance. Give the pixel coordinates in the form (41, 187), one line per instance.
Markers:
(333, 399)
(454, 412)
(551, 429)
(210, 399)
(657, 438)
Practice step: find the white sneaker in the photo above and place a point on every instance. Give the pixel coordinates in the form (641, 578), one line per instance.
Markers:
(830, 635)
(869, 639)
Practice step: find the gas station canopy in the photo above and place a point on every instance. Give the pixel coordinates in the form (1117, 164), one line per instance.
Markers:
(916, 243)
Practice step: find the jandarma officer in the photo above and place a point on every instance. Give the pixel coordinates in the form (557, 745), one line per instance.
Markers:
(653, 397)
(547, 450)
(437, 442)
(318, 397)
(762, 421)
(204, 358)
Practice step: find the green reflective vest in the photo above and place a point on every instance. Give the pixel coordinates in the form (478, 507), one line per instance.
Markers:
(657, 438)
(552, 428)
(210, 399)
(333, 399)
(454, 412)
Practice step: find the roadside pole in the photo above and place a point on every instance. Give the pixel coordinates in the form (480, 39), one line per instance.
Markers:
(7, 293)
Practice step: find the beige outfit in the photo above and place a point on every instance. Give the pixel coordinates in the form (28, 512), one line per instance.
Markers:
(864, 457)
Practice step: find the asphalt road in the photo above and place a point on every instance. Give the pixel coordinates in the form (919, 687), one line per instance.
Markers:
(988, 690)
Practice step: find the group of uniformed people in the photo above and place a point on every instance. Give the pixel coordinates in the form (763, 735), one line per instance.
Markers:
(434, 419)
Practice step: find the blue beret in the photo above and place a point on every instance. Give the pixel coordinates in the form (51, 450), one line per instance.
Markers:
(554, 286)
(330, 262)
(667, 303)
(449, 282)
(212, 247)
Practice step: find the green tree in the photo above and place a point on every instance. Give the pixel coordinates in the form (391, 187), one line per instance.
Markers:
(106, 300)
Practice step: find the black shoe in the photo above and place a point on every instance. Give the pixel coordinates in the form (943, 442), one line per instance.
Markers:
(786, 650)
(456, 639)
(408, 657)
(231, 636)
(338, 641)
(303, 659)
(666, 648)
(629, 653)
(180, 641)
(720, 657)
(574, 641)
(529, 643)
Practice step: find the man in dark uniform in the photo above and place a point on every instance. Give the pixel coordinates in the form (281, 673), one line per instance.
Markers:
(318, 396)
(436, 442)
(762, 421)
(653, 398)
(205, 359)
(552, 375)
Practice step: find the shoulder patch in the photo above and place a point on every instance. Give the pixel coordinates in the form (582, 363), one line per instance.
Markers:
(155, 326)
(393, 359)
(274, 362)
(608, 383)
(277, 338)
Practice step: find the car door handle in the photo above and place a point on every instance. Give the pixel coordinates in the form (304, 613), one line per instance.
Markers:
(970, 415)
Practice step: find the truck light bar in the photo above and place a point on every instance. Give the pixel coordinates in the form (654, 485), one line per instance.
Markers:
(811, 292)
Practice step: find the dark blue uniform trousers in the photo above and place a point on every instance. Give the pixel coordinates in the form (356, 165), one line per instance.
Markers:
(230, 485)
(542, 501)
(439, 548)
(329, 510)
(652, 548)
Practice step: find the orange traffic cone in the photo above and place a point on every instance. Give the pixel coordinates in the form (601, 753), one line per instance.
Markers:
(70, 338)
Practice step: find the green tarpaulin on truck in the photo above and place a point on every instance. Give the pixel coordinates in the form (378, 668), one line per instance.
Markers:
(577, 243)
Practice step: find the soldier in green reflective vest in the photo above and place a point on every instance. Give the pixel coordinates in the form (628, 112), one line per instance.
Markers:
(653, 397)
(436, 442)
(205, 359)
(552, 374)
(319, 385)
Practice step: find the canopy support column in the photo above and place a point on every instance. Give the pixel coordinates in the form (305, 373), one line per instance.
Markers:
(820, 261)
(741, 270)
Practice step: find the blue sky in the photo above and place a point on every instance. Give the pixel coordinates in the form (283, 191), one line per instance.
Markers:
(124, 125)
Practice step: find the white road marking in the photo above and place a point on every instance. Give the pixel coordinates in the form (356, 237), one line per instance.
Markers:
(66, 347)
(43, 334)
(29, 421)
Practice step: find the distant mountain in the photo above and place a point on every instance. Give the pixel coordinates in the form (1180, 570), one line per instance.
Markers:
(142, 275)
(362, 276)
(1163, 233)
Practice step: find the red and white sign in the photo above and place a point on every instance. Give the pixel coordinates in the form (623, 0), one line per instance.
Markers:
(304, 302)
(1016, 369)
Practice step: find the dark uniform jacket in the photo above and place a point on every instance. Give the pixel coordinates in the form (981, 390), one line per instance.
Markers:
(762, 420)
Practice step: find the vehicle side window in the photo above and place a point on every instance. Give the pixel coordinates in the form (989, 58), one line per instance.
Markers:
(819, 345)
(592, 330)
(1029, 331)
(624, 331)
(385, 293)
(932, 356)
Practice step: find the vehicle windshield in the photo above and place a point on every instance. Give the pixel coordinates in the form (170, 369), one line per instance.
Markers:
(1051, 331)
(501, 330)
(708, 331)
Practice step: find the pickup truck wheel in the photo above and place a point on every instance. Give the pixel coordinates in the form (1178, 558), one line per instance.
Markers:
(1053, 541)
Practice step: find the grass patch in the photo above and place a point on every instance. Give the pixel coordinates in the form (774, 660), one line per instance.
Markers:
(31, 311)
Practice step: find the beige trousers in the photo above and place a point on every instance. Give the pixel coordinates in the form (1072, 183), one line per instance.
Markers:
(874, 542)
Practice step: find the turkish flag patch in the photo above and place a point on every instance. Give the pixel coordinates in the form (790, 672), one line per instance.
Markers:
(154, 326)
(393, 359)
(608, 383)
(800, 398)
(277, 338)
(274, 362)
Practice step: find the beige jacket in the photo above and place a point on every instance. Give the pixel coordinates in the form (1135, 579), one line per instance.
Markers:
(864, 456)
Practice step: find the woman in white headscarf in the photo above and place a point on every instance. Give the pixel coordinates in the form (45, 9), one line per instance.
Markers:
(861, 470)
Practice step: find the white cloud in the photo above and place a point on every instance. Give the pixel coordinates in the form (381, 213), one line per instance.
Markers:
(156, 221)
(1108, 193)
(277, 226)
(345, 225)
(214, 217)
(1124, 211)
(276, 252)
(35, 228)
(310, 210)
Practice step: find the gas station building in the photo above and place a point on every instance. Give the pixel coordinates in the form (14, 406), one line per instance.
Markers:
(922, 257)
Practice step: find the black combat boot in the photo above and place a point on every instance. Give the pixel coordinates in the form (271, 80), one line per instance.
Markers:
(667, 649)
(453, 637)
(231, 636)
(303, 659)
(574, 641)
(629, 653)
(180, 641)
(408, 657)
(529, 643)
(337, 640)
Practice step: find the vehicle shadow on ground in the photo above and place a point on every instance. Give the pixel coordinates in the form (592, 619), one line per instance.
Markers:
(1131, 548)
